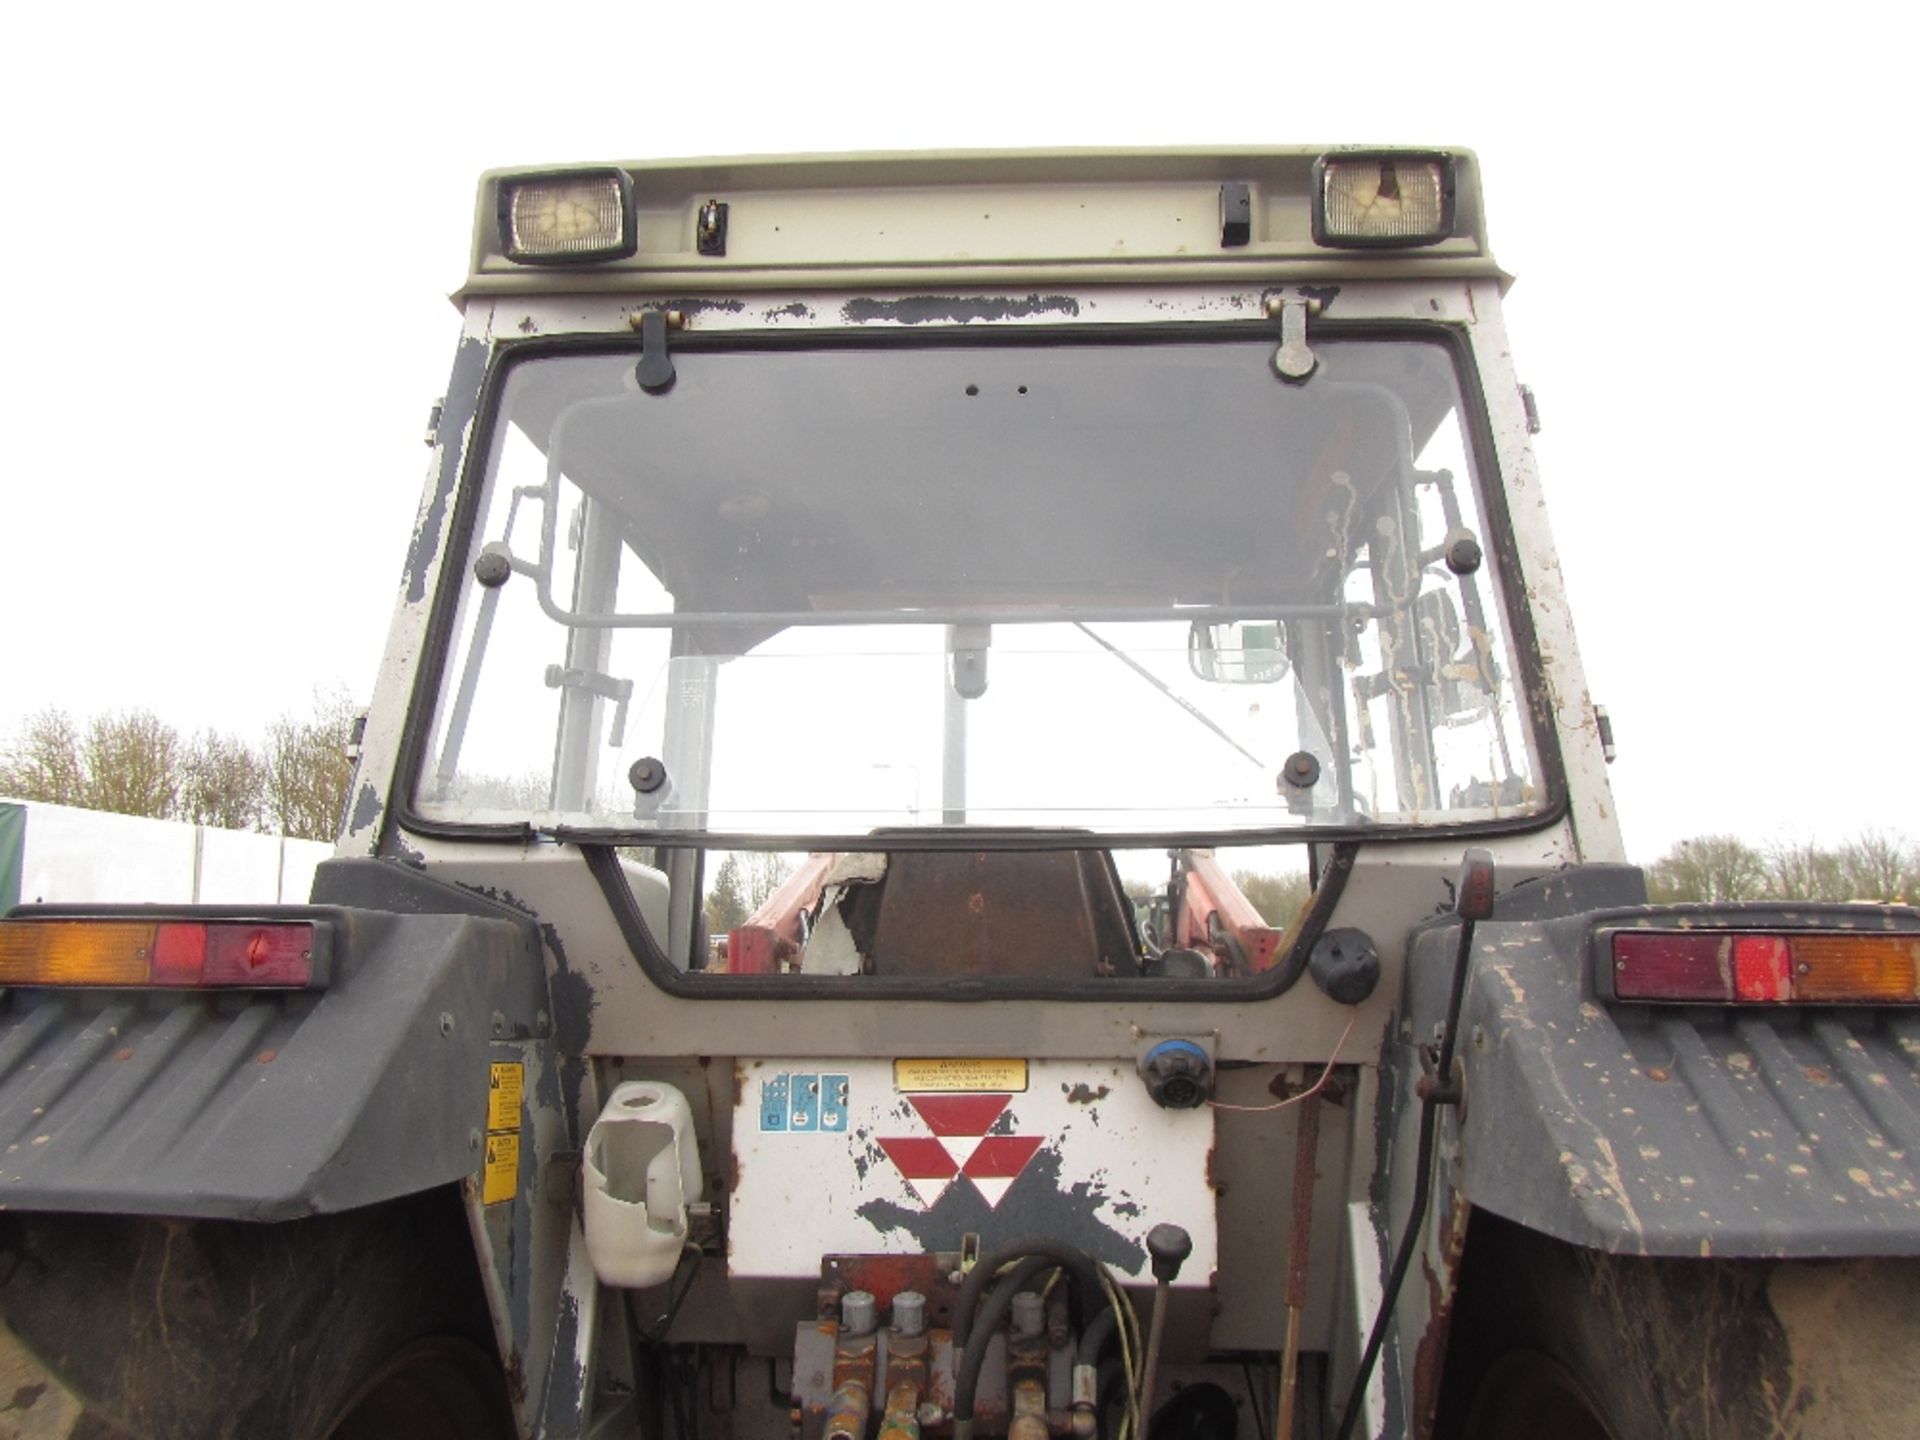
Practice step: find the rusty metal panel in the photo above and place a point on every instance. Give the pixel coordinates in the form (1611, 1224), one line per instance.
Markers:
(854, 1156)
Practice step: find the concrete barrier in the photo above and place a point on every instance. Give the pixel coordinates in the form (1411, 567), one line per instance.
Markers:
(52, 853)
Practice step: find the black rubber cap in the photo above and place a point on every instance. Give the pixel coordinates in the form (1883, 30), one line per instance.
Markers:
(1169, 1246)
(1463, 554)
(647, 775)
(491, 569)
(1302, 770)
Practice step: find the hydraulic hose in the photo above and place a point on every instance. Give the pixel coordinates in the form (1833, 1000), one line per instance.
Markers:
(1473, 901)
(966, 1377)
(1093, 1339)
(1087, 1292)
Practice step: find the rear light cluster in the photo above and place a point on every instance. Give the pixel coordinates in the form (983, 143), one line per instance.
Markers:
(1729, 967)
(175, 954)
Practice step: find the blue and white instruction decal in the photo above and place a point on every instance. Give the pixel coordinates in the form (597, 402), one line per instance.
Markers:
(804, 1103)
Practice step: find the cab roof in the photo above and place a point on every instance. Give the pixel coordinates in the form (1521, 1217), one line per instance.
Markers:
(908, 219)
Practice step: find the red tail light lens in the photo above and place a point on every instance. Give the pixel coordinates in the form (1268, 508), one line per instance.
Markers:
(141, 954)
(259, 955)
(1652, 965)
(1762, 968)
(1727, 967)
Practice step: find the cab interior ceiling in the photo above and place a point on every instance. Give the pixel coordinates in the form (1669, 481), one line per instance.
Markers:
(842, 479)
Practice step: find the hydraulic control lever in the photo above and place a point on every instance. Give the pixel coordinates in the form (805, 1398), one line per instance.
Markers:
(1168, 1246)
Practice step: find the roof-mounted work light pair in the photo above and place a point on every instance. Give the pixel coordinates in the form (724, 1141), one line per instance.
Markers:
(1361, 200)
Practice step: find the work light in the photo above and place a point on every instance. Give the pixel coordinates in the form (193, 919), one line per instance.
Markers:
(568, 217)
(1382, 199)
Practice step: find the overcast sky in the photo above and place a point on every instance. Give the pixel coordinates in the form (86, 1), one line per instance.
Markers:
(230, 234)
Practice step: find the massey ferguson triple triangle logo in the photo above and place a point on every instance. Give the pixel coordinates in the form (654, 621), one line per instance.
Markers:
(960, 1147)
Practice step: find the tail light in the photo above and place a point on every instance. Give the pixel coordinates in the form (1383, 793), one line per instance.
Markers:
(165, 954)
(1743, 967)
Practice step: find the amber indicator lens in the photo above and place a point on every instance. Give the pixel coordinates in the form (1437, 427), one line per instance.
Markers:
(75, 952)
(166, 953)
(1728, 967)
(1856, 967)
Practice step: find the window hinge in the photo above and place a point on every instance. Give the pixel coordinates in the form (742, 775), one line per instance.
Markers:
(655, 370)
(1294, 361)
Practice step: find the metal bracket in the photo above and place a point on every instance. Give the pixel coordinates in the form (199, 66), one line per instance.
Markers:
(1603, 726)
(1294, 361)
(705, 1229)
(1532, 407)
(655, 370)
(710, 228)
(605, 686)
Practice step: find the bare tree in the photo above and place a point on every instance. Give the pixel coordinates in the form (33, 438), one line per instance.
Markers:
(1877, 865)
(1711, 868)
(307, 769)
(528, 791)
(1802, 870)
(741, 885)
(1874, 865)
(222, 782)
(133, 764)
(44, 762)
(766, 872)
(726, 903)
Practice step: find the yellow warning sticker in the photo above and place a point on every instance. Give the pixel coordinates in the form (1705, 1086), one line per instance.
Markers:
(960, 1076)
(503, 1096)
(501, 1178)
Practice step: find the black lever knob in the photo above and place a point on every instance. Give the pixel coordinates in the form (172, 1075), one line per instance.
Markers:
(1169, 1246)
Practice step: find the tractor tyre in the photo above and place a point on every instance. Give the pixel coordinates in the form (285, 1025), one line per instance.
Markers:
(363, 1325)
(1549, 1339)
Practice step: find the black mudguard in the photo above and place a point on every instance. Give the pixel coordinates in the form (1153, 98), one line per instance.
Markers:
(1788, 1131)
(270, 1106)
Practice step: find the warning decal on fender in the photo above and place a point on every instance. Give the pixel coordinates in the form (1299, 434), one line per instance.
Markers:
(504, 1086)
(954, 1076)
(501, 1178)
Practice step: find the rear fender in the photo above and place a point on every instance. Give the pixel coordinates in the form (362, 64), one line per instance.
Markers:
(1788, 1131)
(268, 1105)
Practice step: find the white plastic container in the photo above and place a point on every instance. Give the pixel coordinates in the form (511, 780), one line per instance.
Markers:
(642, 1170)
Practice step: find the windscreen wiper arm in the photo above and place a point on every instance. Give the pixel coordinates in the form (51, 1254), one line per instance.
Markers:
(1166, 690)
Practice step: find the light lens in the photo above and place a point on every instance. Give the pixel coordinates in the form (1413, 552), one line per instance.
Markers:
(1727, 968)
(1653, 965)
(1854, 967)
(138, 954)
(1385, 200)
(565, 217)
(75, 952)
(1761, 968)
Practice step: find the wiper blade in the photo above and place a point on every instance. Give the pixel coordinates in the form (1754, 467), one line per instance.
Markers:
(1167, 690)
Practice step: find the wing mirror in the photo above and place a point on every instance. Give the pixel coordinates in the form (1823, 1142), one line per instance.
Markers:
(1241, 653)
